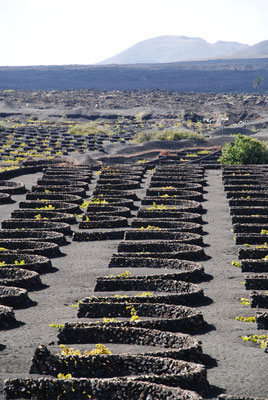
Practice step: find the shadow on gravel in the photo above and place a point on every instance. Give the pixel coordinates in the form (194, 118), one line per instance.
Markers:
(2, 347)
(206, 301)
(207, 278)
(51, 271)
(15, 325)
(29, 304)
(207, 328)
(214, 392)
(209, 361)
(41, 287)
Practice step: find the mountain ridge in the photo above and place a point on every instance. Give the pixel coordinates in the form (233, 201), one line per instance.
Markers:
(177, 48)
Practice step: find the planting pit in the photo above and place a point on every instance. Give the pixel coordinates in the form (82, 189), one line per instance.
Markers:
(14, 297)
(256, 202)
(104, 389)
(258, 194)
(118, 179)
(164, 317)
(80, 176)
(249, 210)
(12, 187)
(250, 238)
(175, 248)
(98, 235)
(62, 182)
(74, 190)
(256, 282)
(95, 209)
(186, 270)
(253, 253)
(145, 368)
(19, 277)
(240, 187)
(180, 195)
(21, 246)
(116, 201)
(249, 228)
(44, 236)
(120, 185)
(177, 181)
(49, 215)
(170, 214)
(188, 294)
(176, 255)
(105, 221)
(33, 262)
(100, 192)
(180, 204)
(168, 344)
(156, 283)
(170, 224)
(16, 223)
(164, 234)
(255, 219)
(68, 198)
(254, 265)
(183, 187)
(58, 206)
(259, 299)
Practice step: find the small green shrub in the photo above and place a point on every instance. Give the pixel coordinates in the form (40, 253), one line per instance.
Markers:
(90, 128)
(149, 136)
(2, 126)
(245, 150)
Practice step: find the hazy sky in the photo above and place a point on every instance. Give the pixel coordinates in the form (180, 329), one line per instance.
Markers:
(35, 32)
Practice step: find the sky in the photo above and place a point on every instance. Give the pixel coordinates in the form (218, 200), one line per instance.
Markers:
(58, 32)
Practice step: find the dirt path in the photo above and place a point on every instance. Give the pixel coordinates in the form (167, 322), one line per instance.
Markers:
(242, 368)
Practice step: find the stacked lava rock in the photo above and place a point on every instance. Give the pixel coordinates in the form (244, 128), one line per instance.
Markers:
(34, 233)
(247, 191)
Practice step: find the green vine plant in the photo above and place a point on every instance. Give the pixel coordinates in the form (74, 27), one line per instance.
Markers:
(39, 217)
(246, 319)
(236, 264)
(62, 376)
(150, 228)
(126, 274)
(244, 302)
(110, 320)
(98, 350)
(48, 207)
(16, 262)
(94, 201)
(143, 294)
(260, 340)
(133, 312)
(56, 326)
(160, 207)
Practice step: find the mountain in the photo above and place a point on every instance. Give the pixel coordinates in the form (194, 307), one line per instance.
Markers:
(166, 49)
(259, 50)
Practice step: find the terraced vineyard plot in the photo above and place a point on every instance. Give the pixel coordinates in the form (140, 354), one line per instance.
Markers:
(151, 320)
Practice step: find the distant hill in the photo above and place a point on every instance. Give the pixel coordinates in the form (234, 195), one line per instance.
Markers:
(166, 49)
(259, 50)
(220, 75)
